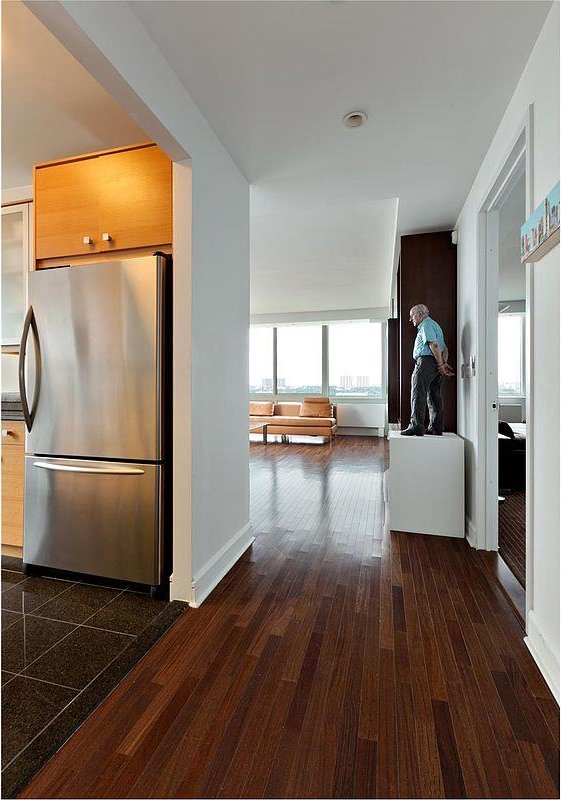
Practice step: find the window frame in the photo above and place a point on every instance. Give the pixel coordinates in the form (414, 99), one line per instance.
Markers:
(338, 399)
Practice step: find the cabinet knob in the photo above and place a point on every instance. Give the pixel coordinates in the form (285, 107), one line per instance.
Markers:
(87, 240)
(106, 237)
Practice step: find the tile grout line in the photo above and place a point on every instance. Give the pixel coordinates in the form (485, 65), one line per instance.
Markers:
(79, 692)
(81, 625)
(46, 601)
(72, 701)
(41, 680)
(57, 715)
(75, 626)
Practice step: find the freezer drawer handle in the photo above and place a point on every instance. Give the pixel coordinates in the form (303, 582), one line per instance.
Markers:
(90, 470)
(30, 322)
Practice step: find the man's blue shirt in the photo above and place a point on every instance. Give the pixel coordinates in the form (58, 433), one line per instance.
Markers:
(427, 331)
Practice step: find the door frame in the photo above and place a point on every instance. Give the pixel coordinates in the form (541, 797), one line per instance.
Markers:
(519, 159)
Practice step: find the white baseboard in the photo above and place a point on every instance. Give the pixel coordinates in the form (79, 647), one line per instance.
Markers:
(543, 654)
(222, 562)
(471, 532)
(180, 589)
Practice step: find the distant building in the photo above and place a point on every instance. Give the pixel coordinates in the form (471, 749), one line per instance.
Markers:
(267, 384)
(346, 381)
(281, 383)
(363, 381)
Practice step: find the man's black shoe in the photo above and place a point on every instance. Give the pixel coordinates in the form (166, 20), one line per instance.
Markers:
(430, 432)
(411, 432)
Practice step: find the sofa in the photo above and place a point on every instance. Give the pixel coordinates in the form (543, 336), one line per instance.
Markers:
(512, 456)
(314, 416)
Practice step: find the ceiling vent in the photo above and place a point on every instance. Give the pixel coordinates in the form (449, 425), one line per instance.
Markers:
(354, 119)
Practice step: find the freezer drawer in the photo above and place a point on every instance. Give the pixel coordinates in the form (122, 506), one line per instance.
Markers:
(101, 518)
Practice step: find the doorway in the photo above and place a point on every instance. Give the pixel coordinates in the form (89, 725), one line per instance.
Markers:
(507, 359)
(511, 389)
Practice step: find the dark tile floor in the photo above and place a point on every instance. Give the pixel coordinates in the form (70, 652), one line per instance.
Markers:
(59, 638)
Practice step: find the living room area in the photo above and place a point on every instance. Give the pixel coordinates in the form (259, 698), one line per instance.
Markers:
(316, 381)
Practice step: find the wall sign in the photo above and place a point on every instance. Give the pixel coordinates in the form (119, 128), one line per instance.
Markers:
(540, 232)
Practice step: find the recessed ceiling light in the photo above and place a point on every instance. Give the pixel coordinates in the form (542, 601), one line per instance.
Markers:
(354, 119)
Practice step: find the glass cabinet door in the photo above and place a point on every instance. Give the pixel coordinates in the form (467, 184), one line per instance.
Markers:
(15, 260)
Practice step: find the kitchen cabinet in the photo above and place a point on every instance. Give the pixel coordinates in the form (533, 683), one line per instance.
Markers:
(15, 264)
(103, 202)
(13, 461)
(67, 209)
(135, 199)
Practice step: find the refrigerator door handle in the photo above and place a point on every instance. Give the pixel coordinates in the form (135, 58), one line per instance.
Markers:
(90, 470)
(30, 322)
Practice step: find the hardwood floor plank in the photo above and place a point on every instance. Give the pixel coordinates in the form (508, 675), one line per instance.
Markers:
(368, 712)
(215, 771)
(387, 765)
(286, 751)
(316, 669)
(469, 754)
(544, 737)
(534, 757)
(430, 778)
(347, 741)
(449, 760)
(495, 774)
(409, 784)
(315, 736)
(365, 776)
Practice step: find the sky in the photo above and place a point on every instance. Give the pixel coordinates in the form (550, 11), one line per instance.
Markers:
(354, 349)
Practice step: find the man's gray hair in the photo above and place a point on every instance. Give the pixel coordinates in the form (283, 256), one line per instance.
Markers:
(420, 308)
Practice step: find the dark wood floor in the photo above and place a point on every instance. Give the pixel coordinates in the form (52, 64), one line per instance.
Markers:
(317, 670)
(512, 533)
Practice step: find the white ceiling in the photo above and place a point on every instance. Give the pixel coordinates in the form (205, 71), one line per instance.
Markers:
(512, 274)
(51, 107)
(335, 255)
(274, 79)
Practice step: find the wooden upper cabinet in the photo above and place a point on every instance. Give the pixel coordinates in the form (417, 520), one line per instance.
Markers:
(66, 209)
(135, 199)
(119, 200)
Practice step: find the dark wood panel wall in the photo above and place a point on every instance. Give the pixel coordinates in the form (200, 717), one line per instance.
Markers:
(428, 275)
(393, 370)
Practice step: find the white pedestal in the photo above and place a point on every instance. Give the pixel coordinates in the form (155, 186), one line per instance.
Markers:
(425, 484)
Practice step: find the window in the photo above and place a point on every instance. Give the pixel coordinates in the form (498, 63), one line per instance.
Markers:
(511, 355)
(299, 361)
(261, 360)
(355, 359)
(342, 359)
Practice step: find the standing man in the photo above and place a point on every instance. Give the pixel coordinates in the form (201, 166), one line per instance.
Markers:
(431, 365)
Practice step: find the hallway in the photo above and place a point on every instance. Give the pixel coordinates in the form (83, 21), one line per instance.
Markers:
(317, 670)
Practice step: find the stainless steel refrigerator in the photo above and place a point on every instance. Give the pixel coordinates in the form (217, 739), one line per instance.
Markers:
(92, 387)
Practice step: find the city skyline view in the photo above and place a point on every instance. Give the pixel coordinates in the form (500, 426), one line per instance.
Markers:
(355, 359)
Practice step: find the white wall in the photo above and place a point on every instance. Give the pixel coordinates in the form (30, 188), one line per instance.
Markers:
(361, 419)
(10, 381)
(539, 85)
(210, 535)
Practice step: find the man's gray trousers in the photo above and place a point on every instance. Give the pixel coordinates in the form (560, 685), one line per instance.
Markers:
(425, 388)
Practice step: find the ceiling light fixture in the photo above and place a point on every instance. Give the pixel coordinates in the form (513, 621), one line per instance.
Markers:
(354, 119)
